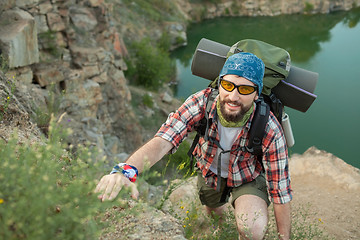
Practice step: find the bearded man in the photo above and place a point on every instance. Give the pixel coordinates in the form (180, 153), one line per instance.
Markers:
(225, 171)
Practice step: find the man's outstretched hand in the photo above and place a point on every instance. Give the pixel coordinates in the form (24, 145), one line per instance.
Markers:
(110, 186)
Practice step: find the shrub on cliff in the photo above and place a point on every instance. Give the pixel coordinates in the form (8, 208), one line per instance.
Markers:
(150, 66)
(45, 193)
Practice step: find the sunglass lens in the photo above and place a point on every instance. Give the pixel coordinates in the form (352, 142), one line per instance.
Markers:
(228, 86)
(245, 90)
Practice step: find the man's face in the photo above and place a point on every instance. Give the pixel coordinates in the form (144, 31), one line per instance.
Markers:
(233, 105)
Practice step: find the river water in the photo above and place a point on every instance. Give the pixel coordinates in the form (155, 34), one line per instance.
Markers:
(327, 44)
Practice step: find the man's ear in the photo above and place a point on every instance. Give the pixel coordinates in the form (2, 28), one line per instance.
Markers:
(256, 97)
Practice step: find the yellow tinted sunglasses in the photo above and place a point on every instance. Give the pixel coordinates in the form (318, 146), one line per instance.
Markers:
(242, 89)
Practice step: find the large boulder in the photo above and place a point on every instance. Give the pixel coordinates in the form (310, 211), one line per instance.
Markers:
(18, 38)
(322, 164)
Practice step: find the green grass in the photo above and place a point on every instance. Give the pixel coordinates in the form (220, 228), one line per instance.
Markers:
(42, 114)
(305, 225)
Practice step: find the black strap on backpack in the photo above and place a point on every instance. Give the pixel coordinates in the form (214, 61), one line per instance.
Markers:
(257, 129)
(276, 106)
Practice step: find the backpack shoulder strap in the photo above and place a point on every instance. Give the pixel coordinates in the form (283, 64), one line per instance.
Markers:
(276, 106)
(257, 129)
(203, 128)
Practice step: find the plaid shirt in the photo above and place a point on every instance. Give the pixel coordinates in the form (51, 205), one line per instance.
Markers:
(243, 166)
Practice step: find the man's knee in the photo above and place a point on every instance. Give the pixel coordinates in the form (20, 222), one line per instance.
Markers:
(252, 230)
(251, 216)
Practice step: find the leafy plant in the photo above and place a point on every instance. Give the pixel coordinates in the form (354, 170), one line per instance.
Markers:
(48, 43)
(155, 10)
(308, 7)
(304, 225)
(42, 114)
(151, 65)
(46, 193)
(181, 162)
(164, 42)
(147, 100)
(205, 1)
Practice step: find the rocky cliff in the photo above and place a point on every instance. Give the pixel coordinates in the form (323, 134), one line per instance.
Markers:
(65, 56)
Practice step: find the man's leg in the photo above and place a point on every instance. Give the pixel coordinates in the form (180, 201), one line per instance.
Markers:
(251, 215)
(250, 202)
(213, 201)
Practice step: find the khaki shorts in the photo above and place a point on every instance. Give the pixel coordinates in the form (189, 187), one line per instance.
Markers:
(213, 199)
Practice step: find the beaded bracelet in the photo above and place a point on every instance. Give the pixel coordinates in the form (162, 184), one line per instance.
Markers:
(127, 170)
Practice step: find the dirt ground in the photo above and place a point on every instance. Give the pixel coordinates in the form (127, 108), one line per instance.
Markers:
(335, 201)
(337, 208)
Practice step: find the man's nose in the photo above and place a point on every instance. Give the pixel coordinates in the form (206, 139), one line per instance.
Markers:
(234, 95)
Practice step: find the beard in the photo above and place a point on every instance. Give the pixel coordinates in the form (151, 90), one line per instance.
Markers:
(233, 117)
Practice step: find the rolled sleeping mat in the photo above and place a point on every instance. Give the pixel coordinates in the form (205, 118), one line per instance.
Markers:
(302, 78)
(208, 59)
(296, 91)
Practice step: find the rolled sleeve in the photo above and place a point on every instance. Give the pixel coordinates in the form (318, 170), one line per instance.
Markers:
(178, 124)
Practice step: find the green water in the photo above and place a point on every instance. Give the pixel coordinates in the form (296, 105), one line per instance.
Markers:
(327, 44)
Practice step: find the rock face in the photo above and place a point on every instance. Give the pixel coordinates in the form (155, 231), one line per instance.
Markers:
(152, 224)
(262, 8)
(14, 117)
(74, 58)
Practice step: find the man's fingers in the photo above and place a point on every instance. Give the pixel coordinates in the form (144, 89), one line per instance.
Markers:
(110, 186)
(115, 191)
(108, 191)
(134, 191)
(133, 188)
(100, 187)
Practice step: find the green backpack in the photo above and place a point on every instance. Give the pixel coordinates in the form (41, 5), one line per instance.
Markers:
(277, 60)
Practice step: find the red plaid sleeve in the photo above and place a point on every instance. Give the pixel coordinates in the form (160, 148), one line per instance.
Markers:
(182, 121)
